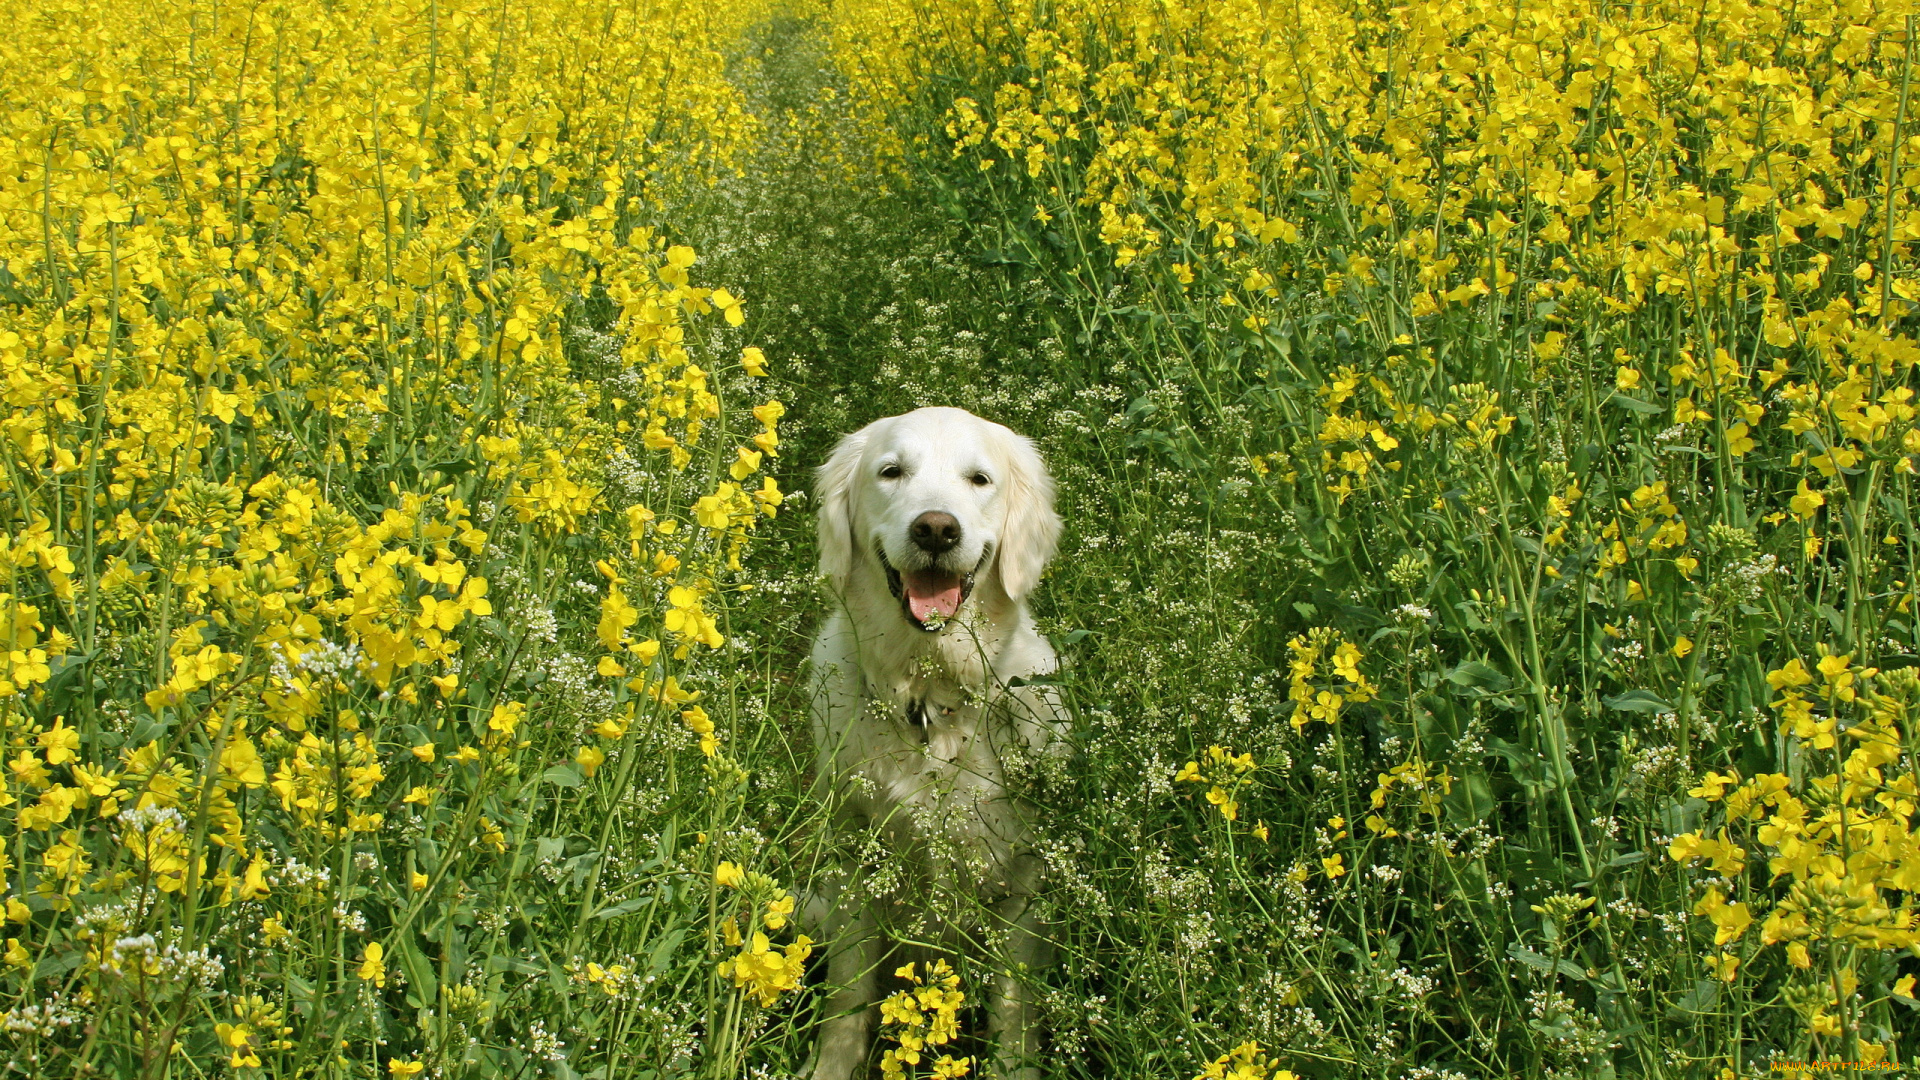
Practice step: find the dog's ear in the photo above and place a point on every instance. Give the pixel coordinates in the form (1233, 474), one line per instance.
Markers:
(1032, 529)
(833, 485)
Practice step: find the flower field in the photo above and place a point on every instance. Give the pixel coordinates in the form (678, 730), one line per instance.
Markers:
(376, 476)
(1485, 437)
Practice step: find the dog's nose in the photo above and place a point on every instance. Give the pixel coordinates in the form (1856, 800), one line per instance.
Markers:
(934, 531)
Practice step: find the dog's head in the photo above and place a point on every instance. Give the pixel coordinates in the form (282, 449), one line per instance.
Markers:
(937, 498)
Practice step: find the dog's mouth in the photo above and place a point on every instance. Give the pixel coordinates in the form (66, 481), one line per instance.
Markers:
(930, 597)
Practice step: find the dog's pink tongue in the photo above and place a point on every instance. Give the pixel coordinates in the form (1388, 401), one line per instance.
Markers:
(930, 591)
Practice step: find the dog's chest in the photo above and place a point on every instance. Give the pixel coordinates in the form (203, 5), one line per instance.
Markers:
(932, 731)
(933, 762)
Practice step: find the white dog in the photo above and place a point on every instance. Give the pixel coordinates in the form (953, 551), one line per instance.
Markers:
(934, 528)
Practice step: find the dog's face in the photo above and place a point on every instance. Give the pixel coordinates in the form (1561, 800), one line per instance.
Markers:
(938, 498)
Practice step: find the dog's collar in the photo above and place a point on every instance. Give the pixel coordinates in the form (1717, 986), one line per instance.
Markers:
(921, 713)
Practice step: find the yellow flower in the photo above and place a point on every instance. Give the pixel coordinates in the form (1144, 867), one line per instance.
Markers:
(1228, 808)
(1805, 501)
(60, 743)
(1792, 673)
(728, 875)
(492, 835)
(1243, 1062)
(27, 769)
(239, 1039)
(1730, 920)
(1723, 966)
(711, 512)
(372, 969)
(589, 759)
(1713, 785)
(778, 911)
(506, 717)
(613, 727)
(747, 463)
(729, 306)
(253, 885)
(765, 972)
(616, 615)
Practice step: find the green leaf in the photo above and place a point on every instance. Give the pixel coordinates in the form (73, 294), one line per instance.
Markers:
(1639, 701)
(1471, 799)
(1346, 946)
(566, 776)
(1703, 997)
(422, 987)
(516, 964)
(453, 467)
(663, 952)
(59, 963)
(1683, 816)
(1548, 964)
(1833, 617)
(624, 907)
(581, 865)
(1528, 767)
(1479, 679)
(1636, 405)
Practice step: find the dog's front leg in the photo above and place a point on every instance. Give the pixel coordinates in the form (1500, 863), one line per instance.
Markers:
(1012, 1019)
(853, 957)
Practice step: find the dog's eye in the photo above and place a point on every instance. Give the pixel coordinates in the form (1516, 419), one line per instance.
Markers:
(890, 471)
(980, 479)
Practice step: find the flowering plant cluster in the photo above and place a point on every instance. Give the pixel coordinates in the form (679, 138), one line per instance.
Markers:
(920, 1019)
(1842, 842)
(349, 380)
(1560, 358)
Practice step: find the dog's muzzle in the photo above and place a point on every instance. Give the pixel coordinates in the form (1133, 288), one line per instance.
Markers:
(931, 598)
